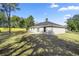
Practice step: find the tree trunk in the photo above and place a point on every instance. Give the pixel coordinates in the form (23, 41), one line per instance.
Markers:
(9, 25)
(9, 22)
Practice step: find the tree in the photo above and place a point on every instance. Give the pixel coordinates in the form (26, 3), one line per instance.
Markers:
(29, 21)
(8, 8)
(22, 23)
(73, 23)
(15, 20)
(2, 19)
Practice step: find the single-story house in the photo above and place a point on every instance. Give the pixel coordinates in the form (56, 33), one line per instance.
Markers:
(47, 27)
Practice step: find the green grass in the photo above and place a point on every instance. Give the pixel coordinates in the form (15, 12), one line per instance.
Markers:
(12, 29)
(14, 42)
(72, 37)
(24, 44)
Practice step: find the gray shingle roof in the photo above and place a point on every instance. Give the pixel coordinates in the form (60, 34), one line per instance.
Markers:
(48, 24)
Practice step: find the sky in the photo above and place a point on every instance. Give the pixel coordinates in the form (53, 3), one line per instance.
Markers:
(55, 12)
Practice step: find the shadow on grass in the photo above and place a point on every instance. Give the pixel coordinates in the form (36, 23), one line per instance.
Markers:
(6, 35)
(42, 45)
(51, 45)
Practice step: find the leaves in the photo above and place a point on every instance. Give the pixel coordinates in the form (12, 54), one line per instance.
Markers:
(7, 8)
(29, 21)
(73, 23)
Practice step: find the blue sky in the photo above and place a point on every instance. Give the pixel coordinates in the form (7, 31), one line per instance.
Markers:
(55, 12)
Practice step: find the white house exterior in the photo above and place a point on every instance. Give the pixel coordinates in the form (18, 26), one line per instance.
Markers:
(47, 28)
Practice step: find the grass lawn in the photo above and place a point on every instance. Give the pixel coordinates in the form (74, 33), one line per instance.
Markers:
(12, 29)
(23, 44)
(72, 37)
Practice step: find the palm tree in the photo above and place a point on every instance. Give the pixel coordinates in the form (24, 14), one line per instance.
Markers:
(8, 8)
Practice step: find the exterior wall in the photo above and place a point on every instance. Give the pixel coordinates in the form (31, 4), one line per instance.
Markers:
(59, 30)
(49, 30)
(36, 30)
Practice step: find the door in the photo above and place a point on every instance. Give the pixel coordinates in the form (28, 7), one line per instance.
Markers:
(44, 29)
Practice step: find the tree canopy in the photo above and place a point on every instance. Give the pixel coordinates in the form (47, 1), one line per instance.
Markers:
(73, 23)
(29, 21)
(17, 22)
(7, 8)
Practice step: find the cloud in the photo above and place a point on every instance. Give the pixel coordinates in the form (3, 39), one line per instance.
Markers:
(67, 16)
(69, 8)
(53, 5)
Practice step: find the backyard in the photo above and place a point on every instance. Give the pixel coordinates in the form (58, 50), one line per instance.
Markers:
(21, 43)
(16, 19)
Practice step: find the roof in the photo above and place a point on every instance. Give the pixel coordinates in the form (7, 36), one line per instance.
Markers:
(48, 24)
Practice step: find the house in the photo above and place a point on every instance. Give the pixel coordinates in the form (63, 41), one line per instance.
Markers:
(47, 27)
